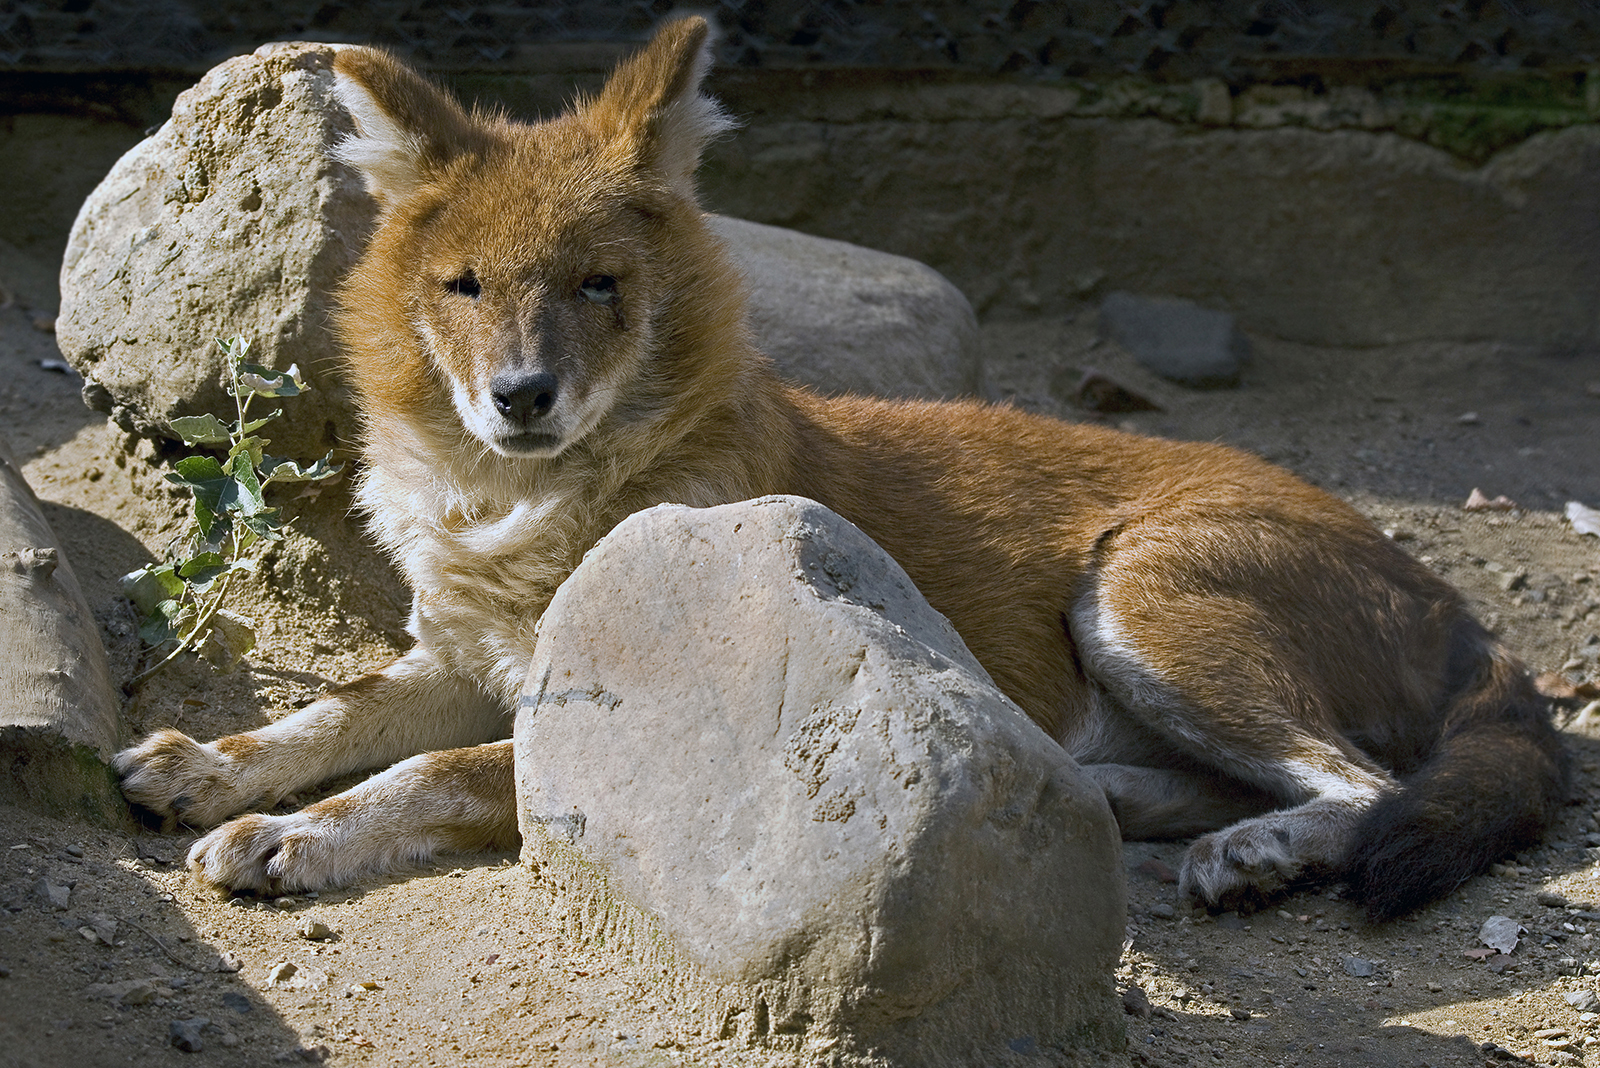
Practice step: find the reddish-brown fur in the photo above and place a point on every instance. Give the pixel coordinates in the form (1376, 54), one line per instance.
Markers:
(545, 338)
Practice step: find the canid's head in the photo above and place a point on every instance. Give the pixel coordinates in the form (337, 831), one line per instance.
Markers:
(525, 281)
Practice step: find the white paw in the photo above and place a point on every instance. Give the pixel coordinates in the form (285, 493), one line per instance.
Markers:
(304, 850)
(1240, 866)
(180, 780)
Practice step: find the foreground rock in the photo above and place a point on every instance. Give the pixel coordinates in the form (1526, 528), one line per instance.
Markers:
(233, 218)
(754, 762)
(58, 715)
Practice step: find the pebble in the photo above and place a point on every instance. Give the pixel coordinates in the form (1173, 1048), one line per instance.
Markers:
(1238, 1013)
(228, 961)
(53, 894)
(1551, 899)
(283, 903)
(1135, 1002)
(75, 850)
(185, 1034)
(315, 931)
(1358, 967)
(280, 973)
(1582, 1000)
(1163, 911)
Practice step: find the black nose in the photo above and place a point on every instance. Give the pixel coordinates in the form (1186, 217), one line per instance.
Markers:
(522, 396)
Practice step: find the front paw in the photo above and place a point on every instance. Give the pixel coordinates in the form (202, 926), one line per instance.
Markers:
(181, 780)
(305, 850)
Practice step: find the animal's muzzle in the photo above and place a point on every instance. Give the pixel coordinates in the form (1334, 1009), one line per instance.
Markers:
(524, 397)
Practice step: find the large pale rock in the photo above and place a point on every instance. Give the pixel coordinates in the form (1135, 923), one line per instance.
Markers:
(58, 715)
(757, 765)
(847, 319)
(233, 218)
(230, 219)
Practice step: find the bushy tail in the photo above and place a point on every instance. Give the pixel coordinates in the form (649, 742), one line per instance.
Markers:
(1495, 780)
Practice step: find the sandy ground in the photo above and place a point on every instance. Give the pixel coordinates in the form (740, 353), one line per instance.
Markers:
(459, 963)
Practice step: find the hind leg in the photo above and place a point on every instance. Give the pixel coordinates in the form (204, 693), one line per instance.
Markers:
(1235, 706)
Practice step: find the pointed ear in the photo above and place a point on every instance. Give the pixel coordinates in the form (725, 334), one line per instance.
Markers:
(406, 128)
(653, 100)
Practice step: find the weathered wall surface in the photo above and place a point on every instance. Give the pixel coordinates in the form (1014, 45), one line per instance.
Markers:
(1341, 236)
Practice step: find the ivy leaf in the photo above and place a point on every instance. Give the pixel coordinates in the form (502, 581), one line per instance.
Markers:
(230, 639)
(279, 469)
(201, 429)
(213, 489)
(159, 628)
(149, 586)
(265, 382)
(249, 450)
(256, 424)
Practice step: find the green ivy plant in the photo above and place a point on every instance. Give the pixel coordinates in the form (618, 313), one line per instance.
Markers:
(180, 600)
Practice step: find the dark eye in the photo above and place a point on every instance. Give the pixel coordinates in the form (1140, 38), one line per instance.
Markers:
(465, 286)
(600, 289)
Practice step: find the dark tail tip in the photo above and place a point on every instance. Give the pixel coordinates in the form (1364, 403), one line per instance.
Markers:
(1488, 791)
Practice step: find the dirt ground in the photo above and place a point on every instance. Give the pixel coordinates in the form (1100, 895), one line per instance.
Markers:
(460, 964)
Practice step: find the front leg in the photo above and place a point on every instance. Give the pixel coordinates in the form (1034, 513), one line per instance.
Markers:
(453, 801)
(411, 706)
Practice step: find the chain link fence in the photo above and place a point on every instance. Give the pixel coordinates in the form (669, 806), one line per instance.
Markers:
(1235, 40)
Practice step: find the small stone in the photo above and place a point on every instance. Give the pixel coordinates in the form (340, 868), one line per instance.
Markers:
(1231, 921)
(185, 1034)
(1238, 1013)
(126, 992)
(1358, 967)
(1135, 1002)
(228, 961)
(1434, 987)
(1177, 339)
(52, 894)
(283, 903)
(1158, 870)
(1551, 899)
(280, 973)
(100, 928)
(1098, 392)
(1163, 911)
(229, 1039)
(74, 850)
(315, 931)
(1512, 580)
(237, 1002)
(1582, 1000)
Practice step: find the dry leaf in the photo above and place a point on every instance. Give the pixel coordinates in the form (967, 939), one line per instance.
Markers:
(1584, 520)
(1500, 932)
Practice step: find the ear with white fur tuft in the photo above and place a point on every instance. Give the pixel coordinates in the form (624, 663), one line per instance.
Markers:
(653, 99)
(406, 128)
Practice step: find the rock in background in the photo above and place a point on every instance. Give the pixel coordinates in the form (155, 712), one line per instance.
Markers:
(842, 318)
(231, 219)
(755, 763)
(234, 219)
(1177, 339)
